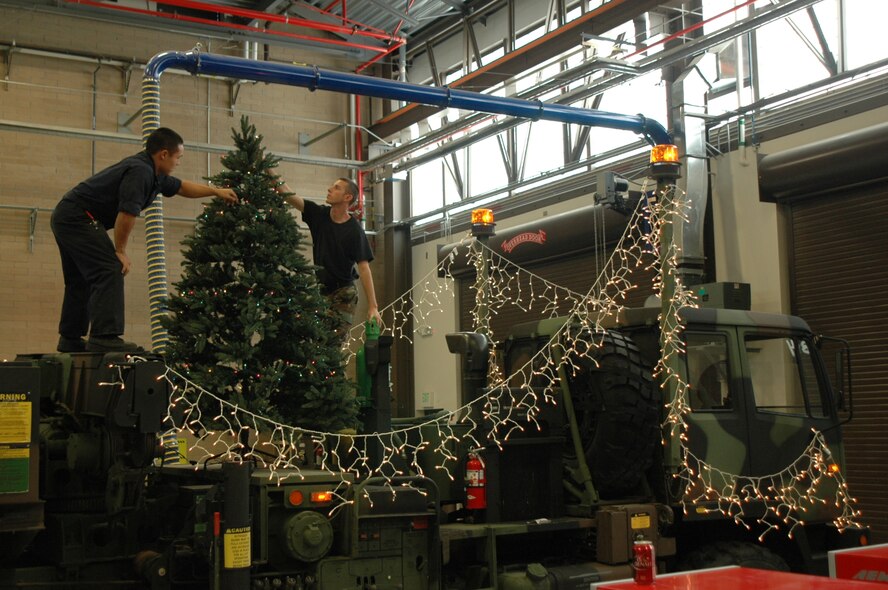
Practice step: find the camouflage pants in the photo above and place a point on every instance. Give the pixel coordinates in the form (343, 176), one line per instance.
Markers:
(342, 309)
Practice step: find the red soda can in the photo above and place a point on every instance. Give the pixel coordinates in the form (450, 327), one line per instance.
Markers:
(645, 564)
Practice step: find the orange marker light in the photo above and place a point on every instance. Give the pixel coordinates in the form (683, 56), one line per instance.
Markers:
(484, 216)
(321, 497)
(295, 498)
(664, 153)
(482, 223)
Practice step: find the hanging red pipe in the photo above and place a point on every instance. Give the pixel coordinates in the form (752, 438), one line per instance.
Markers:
(331, 5)
(354, 29)
(235, 26)
(364, 31)
(376, 58)
(401, 22)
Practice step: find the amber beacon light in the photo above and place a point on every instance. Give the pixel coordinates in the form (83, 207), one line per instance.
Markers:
(664, 161)
(482, 222)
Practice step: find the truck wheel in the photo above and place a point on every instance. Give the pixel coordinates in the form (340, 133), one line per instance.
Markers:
(618, 414)
(739, 553)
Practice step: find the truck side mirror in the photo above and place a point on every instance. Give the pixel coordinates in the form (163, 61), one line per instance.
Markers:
(839, 385)
(840, 376)
(472, 347)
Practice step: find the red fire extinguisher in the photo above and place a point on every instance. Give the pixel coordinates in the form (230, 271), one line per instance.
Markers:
(476, 483)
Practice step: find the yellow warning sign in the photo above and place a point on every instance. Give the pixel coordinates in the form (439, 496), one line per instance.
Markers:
(640, 520)
(236, 545)
(15, 418)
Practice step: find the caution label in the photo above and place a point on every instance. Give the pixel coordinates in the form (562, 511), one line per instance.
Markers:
(640, 520)
(15, 418)
(236, 548)
(15, 442)
(15, 465)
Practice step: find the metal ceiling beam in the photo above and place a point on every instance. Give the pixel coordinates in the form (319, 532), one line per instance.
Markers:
(352, 28)
(270, 6)
(600, 20)
(686, 50)
(395, 13)
(457, 4)
(560, 80)
(448, 25)
(192, 29)
(654, 62)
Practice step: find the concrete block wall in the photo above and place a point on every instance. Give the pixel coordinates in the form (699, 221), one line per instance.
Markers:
(37, 169)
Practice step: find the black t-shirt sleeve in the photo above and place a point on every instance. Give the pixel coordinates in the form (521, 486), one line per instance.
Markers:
(134, 185)
(169, 186)
(310, 212)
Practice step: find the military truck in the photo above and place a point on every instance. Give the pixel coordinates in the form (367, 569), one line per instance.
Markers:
(567, 499)
(622, 452)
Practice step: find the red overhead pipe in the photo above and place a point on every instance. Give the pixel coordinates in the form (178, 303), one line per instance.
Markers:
(331, 5)
(397, 45)
(376, 58)
(334, 3)
(280, 18)
(253, 14)
(235, 26)
(401, 22)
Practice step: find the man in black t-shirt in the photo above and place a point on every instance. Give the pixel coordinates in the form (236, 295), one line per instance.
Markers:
(339, 244)
(93, 265)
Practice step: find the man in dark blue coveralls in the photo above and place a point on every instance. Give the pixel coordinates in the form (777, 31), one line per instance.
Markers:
(93, 265)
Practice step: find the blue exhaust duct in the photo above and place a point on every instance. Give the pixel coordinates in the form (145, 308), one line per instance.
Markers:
(315, 78)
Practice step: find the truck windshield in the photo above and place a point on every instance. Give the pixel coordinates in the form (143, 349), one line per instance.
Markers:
(783, 375)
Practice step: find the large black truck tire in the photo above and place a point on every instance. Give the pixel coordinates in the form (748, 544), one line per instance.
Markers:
(618, 413)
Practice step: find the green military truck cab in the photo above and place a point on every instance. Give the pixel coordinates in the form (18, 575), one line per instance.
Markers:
(759, 388)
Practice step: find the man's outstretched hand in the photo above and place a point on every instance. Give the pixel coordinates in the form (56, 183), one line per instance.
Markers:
(226, 194)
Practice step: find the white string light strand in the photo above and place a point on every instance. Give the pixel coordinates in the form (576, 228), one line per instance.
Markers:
(510, 404)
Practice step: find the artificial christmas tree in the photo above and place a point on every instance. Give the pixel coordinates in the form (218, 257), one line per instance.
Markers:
(248, 322)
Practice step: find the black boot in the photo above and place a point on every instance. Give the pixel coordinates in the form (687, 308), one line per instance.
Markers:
(111, 344)
(71, 344)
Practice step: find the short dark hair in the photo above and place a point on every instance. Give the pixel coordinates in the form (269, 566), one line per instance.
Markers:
(163, 138)
(350, 188)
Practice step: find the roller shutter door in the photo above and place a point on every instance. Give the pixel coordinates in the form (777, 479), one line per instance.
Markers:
(840, 286)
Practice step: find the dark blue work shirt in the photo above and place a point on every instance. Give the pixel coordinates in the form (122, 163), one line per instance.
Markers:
(129, 186)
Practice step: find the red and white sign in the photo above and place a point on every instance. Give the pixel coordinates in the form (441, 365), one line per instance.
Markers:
(537, 237)
(867, 564)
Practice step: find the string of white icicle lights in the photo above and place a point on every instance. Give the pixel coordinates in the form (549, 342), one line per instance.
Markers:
(775, 500)
(781, 498)
(512, 403)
